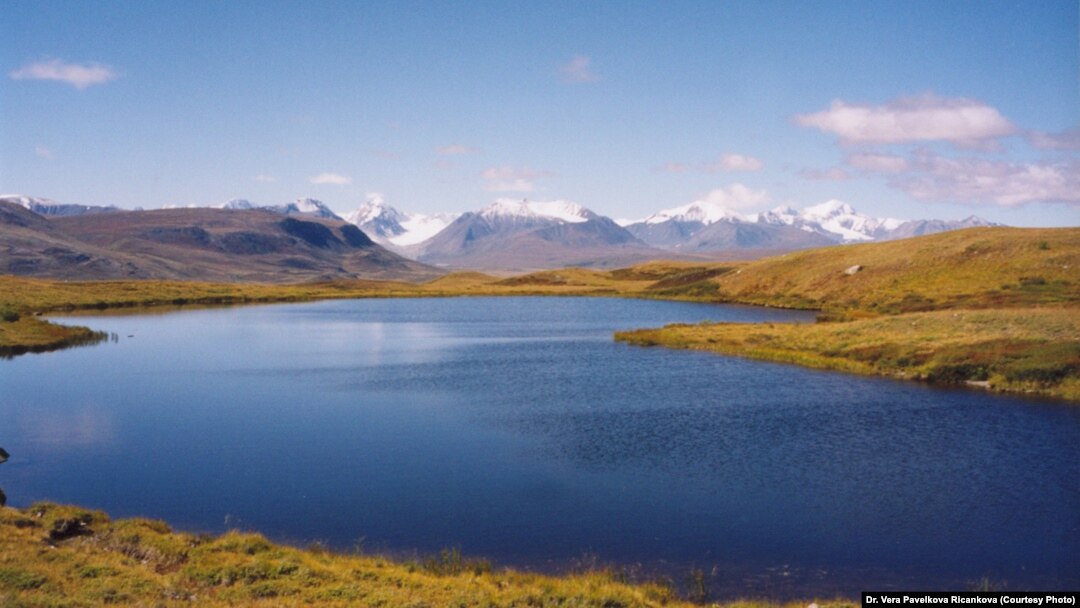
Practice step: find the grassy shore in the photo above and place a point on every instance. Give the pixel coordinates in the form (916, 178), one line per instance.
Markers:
(1028, 350)
(56, 556)
(21, 299)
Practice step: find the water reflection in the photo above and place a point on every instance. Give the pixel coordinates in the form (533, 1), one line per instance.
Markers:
(57, 430)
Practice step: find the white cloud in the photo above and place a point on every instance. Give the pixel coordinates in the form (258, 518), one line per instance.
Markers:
(331, 178)
(878, 163)
(1065, 140)
(43, 152)
(832, 174)
(78, 76)
(964, 122)
(265, 178)
(734, 163)
(974, 180)
(455, 150)
(511, 179)
(578, 70)
(735, 196)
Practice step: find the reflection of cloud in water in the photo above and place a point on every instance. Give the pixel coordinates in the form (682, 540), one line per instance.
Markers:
(60, 430)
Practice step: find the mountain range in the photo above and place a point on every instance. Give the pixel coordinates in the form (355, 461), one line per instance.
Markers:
(234, 244)
(513, 234)
(521, 235)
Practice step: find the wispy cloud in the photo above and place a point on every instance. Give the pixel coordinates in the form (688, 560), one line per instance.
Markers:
(456, 150)
(735, 196)
(511, 179)
(878, 163)
(578, 70)
(832, 174)
(267, 179)
(43, 152)
(331, 178)
(963, 122)
(736, 163)
(1065, 140)
(78, 76)
(929, 176)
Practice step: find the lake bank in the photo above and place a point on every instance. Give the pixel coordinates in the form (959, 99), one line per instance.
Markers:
(62, 555)
(1025, 351)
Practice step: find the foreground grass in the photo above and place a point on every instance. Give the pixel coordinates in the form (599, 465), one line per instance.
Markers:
(1035, 350)
(54, 555)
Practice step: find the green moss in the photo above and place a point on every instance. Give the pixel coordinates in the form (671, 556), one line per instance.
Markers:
(12, 578)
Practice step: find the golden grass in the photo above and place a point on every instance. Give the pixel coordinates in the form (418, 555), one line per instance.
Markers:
(1033, 350)
(28, 334)
(976, 268)
(54, 555)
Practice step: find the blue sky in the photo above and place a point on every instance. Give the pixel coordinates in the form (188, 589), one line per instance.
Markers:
(905, 109)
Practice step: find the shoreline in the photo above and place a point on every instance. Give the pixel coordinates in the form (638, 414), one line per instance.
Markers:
(52, 552)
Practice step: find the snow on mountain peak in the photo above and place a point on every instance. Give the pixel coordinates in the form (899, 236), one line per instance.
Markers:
(830, 208)
(386, 224)
(565, 211)
(699, 211)
(26, 201)
(841, 219)
(375, 209)
(238, 203)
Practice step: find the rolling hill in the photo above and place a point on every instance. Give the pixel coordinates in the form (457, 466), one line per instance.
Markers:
(194, 244)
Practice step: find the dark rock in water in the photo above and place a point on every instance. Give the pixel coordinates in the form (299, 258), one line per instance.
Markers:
(4, 455)
(3, 498)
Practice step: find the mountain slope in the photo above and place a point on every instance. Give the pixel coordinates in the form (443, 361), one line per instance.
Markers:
(31, 245)
(519, 235)
(198, 244)
(978, 267)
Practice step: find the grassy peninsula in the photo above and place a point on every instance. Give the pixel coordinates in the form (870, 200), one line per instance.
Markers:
(52, 555)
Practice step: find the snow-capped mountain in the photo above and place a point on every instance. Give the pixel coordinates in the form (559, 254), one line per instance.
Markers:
(834, 219)
(698, 211)
(519, 234)
(51, 208)
(301, 206)
(504, 209)
(702, 226)
(239, 203)
(389, 226)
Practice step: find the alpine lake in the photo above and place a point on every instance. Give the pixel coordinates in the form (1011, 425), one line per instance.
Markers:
(517, 430)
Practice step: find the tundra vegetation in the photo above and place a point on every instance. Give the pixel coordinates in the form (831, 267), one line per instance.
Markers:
(52, 555)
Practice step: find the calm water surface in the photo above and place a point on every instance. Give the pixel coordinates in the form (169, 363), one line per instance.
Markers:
(516, 429)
